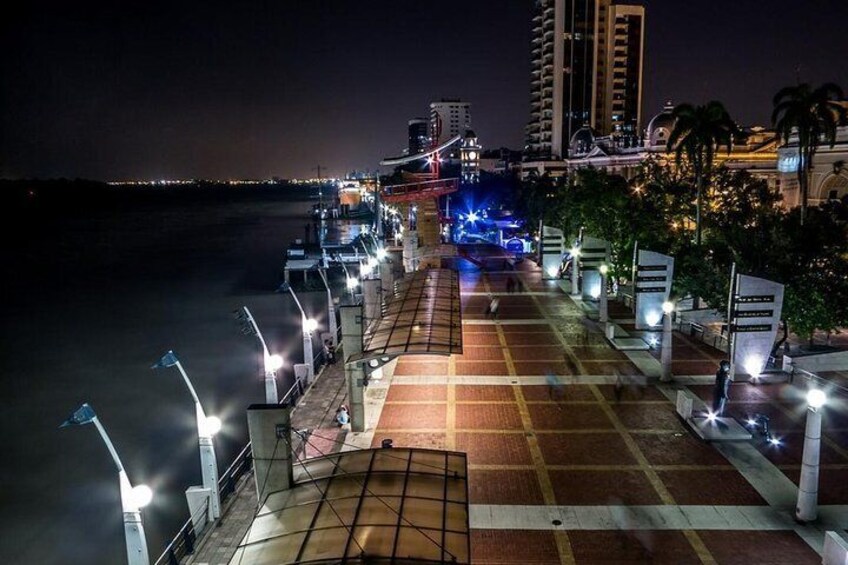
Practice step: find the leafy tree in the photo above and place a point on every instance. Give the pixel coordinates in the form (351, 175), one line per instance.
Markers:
(698, 132)
(814, 114)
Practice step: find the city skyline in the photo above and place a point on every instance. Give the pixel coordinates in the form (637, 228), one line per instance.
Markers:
(161, 91)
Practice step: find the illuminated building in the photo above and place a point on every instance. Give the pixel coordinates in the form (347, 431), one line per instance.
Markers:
(470, 158)
(448, 119)
(419, 135)
(586, 71)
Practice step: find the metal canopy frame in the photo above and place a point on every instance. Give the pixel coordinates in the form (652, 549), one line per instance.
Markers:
(394, 505)
(423, 317)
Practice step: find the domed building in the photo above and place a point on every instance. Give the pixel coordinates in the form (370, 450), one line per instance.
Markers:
(660, 127)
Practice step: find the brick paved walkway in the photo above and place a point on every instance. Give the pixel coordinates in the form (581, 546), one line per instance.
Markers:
(567, 467)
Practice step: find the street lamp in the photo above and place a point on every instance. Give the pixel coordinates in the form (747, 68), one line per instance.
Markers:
(271, 363)
(331, 308)
(206, 428)
(575, 270)
(808, 487)
(308, 325)
(665, 355)
(133, 499)
(603, 315)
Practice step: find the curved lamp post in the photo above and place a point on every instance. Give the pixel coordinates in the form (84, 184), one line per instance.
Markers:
(271, 363)
(808, 487)
(206, 428)
(331, 308)
(308, 325)
(133, 499)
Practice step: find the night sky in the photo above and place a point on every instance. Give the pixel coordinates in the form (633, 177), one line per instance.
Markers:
(116, 90)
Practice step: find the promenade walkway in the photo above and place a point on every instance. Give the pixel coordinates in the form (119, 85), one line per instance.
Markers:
(571, 464)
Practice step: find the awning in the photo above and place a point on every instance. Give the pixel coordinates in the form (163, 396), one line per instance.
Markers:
(398, 505)
(423, 316)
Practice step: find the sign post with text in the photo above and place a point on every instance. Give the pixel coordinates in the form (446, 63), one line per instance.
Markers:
(754, 317)
(652, 287)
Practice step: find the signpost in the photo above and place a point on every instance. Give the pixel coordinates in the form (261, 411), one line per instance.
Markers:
(652, 287)
(754, 316)
(593, 253)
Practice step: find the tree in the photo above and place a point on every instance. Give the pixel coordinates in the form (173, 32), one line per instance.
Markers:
(814, 115)
(698, 132)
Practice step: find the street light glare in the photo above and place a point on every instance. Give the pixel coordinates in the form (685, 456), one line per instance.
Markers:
(352, 282)
(552, 271)
(381, 254)
(604, 269)
(575, 251)
(211, 426)
(273, 362)
(141, 495)
(816, 398)
(668, 307)
(311, 324)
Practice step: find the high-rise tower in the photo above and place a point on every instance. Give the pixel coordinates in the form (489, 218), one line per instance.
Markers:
(586, 71)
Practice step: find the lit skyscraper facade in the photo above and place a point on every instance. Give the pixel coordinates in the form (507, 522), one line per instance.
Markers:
(586, 71)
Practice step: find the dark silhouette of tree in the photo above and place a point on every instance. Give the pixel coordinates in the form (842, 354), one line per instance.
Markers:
(814, 116)
(698, 133)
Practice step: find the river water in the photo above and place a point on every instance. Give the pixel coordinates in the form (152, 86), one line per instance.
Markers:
(85, 314)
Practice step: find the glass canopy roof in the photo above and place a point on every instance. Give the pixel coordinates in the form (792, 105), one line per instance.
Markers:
(422, 316)
(398, 505)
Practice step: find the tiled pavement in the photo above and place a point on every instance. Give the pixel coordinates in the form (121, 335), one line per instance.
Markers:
(550, 437)
(570, 464)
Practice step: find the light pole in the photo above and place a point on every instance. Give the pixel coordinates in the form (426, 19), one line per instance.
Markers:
(575, 271)
(271, 363)
(307, 325)
(665, 355)
(808, 487)
(603, 315)
(331, 308)
(133, 499)
(206, 428)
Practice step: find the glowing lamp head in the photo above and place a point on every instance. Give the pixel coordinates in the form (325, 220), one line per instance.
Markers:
(753, 366)
(668, 307)
(816, 398)
(141, 495)
(210, 426)
(311, 324)
(653, 317)
(604, 270)
(352, 282)
(273, 362)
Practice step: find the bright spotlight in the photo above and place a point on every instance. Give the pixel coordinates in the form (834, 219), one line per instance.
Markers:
(752, 422)
(774, 441)
(381, 253)
(273, 362)
(668, 307)
(552, 271)
(816, 398)
(653, 341)
(311, 324)
(352, 282)
(753, 365)
(653, 318)
(141, 495)
(595, 292)
(472, 217)
(711, 416)
(604, 269)
(211, 426)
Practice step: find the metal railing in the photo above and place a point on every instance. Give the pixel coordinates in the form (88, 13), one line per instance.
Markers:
(718, 340)
(183, 544)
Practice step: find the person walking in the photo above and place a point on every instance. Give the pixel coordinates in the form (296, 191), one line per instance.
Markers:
(493, 307)
(721, 389)
(342, 416)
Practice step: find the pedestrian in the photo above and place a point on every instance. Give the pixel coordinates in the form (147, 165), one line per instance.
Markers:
(618, 387)
(493, 307)
(342, 416)
(721, 390)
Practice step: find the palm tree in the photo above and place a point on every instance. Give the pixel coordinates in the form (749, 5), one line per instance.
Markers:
(698, 132)
(814, 115)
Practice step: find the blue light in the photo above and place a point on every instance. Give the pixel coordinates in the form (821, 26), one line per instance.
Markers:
(472, 217)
